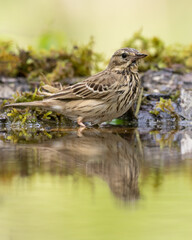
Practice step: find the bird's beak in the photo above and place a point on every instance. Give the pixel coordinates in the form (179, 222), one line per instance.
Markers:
(139, 55)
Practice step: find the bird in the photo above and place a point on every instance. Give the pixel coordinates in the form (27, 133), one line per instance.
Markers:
(99, 98)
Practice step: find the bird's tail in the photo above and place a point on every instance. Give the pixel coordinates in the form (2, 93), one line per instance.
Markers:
(27, 104)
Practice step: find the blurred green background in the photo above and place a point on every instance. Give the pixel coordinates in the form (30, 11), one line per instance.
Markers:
(45, 23)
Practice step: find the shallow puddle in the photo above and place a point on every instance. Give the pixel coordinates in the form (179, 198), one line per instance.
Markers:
(105, 183)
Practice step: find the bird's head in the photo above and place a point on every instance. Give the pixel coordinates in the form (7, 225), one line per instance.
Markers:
(125, 58)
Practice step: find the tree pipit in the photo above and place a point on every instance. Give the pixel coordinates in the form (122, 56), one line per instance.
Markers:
(99, 98)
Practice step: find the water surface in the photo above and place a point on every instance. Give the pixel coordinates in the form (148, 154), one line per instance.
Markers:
(106, 183)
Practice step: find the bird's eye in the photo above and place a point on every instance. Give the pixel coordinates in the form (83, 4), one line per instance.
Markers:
(124, 55)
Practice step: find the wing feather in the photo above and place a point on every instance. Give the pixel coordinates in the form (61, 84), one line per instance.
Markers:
(94, 87)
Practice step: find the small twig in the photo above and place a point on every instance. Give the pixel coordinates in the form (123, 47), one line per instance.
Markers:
(139, 102)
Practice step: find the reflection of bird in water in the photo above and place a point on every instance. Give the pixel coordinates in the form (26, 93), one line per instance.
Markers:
(101, 153)
(119, 167)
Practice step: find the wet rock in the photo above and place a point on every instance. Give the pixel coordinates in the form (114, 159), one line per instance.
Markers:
(186, 103)
(162, 120)
(3, 118)
(165, 80)
(8, 86)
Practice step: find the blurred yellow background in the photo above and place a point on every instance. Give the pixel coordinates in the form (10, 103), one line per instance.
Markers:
(109, 22)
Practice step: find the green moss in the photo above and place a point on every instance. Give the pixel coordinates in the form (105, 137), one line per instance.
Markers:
(175, 96)
(56, 64)
(81, 61)
(34, 114)
(154, 112)
(9, 60)
(164, 105)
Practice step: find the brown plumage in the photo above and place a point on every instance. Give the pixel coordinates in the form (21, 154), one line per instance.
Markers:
(101, 97)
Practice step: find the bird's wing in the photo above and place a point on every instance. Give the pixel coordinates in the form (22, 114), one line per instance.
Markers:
(94, 87)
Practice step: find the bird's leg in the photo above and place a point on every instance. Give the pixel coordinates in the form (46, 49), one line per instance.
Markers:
(82, 127)
(79, 121)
